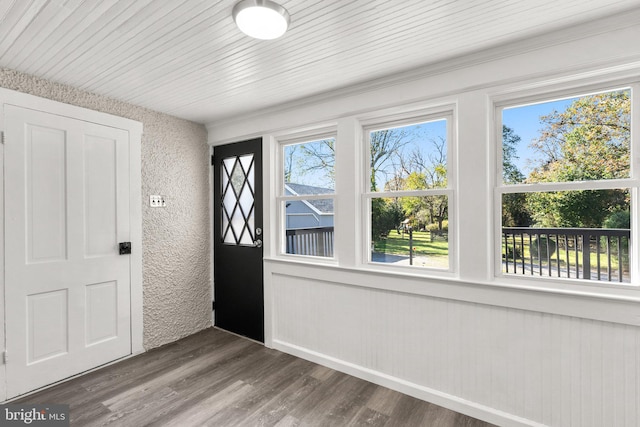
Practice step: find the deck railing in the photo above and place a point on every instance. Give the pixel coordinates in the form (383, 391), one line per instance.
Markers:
(316, 241)
(580, 253)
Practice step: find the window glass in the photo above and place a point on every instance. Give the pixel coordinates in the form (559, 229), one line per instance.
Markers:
(579, 227)
(308, 172)
(410, 157)
(575, 139)
(581, 234)
(309, 227)
(411, 229)
(309, 166)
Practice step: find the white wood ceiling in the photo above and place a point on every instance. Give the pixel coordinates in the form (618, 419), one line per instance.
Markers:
(187, 58)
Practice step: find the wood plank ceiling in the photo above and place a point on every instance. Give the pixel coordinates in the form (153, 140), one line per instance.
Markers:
(187, 58)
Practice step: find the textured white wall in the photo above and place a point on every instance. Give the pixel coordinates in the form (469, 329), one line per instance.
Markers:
(176, 252)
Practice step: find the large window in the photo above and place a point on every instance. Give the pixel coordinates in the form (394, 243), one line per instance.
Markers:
(566, 187)
(307, 196)
(408, 195)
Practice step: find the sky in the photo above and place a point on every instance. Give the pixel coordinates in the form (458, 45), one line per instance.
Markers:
(525, 122)
(419, 137)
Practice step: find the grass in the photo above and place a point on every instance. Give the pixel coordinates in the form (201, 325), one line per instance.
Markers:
(398, 244)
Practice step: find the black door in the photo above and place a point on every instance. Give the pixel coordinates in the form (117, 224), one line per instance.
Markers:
(238, 290)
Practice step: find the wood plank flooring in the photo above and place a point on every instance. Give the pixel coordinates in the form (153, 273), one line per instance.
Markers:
(214, 378)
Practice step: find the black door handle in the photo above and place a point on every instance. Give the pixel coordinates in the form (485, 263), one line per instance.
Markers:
(125, 248)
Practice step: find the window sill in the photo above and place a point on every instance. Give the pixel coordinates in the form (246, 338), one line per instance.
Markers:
(592, 288)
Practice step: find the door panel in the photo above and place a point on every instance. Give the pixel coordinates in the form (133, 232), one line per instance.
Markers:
(100, 168)
(238, 287)
(66, 209)
(101, 308)
(47, 315)
(45, 175)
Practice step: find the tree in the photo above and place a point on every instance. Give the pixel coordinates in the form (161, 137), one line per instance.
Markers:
(386, 215)
(514, 208)
(426, 170)
(289, 156)
(590, 140)
(385, 146)
(510, 172)
(318, 156)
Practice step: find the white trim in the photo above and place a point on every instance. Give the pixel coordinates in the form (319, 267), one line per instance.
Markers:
(279, 141)
(270, 227)
(444, 191)
(314, 133)
(635, 172)
(427, 394)
(33, 102)
(306, 197)
(395, 118)
(603, 184)
(134, 129)
(135, 196)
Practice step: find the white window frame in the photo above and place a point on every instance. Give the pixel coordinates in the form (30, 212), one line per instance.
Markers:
(446, 112)
(281, 198)
(549, 94)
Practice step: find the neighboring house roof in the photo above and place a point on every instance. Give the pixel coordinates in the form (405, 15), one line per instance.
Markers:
(323, 206)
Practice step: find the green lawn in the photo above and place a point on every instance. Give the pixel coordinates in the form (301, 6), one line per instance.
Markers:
(397, 244)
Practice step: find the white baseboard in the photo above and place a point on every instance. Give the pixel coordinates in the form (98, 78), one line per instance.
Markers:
(448, 401)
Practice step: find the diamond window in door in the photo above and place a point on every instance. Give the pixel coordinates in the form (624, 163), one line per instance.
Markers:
(238, 206)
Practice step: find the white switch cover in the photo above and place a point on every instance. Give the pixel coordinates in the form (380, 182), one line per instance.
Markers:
(157, 202)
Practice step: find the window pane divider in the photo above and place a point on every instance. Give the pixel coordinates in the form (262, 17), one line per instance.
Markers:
(307, 197)
(568, 186)
(410, 193)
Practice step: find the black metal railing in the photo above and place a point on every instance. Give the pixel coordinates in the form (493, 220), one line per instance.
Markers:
(316, 241)
(580, 253)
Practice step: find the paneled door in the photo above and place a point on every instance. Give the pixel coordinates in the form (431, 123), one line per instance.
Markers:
(66, 211)
(238, 281)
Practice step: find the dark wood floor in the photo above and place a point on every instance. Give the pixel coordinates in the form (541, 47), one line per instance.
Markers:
(214, 378)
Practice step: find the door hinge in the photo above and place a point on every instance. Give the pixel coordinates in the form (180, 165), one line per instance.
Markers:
(212, 159)
(4, 357)
(213, 305)
(2, 137)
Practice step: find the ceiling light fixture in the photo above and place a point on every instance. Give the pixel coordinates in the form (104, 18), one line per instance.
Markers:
(261, 19)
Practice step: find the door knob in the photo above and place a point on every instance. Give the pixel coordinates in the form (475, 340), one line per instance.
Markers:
(257, 243)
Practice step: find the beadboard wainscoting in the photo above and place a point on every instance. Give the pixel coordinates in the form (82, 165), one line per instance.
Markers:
(503, 365)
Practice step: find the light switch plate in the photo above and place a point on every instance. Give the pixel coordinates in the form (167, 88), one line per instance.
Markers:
(156, 201)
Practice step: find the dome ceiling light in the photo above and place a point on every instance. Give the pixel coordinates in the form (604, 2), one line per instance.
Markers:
(261, 19)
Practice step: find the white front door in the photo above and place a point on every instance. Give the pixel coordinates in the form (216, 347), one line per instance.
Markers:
(67, 208)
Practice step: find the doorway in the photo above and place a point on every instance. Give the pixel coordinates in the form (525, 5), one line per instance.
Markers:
(71, 294)
(238, 269)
